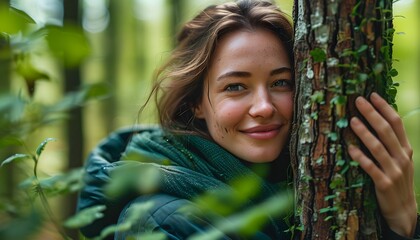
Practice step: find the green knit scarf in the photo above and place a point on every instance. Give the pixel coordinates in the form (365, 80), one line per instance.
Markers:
(190, 165)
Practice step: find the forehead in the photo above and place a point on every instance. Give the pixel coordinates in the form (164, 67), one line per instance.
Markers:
(243, 46)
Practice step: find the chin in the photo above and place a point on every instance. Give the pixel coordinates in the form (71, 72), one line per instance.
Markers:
(261, 160)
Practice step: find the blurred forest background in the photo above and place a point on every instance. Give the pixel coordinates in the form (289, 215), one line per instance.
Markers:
(108, 79)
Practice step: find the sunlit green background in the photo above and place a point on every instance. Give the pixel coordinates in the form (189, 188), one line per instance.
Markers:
(130, 38)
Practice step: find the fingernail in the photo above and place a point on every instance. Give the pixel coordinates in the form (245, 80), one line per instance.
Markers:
(360, 100)
(354, 121)
(374, 95)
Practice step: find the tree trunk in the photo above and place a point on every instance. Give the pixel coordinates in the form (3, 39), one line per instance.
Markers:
(342, 50)
(109, 106)
(74, 131)
(177, 11)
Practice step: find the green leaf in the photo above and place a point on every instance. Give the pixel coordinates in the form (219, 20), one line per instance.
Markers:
(114, 228)
(324, 210)
(143, 177)
(362, 77)
(317, 97)
(354, 163)
(68, 43)
(41, 146)
(96, 91)
(391, 92)
(247, 222)
(341, 162)
(13, 20)
(318, 55)
(357, 185)
(18, 156)
(85, 217)
(78, 98)
(224, 202)
(345, 169)
(329, 197)
(347, 52)
(393, 72)
(339, 100)
(68, 182)
(328, 209)
(135, 212)
(342, 123)
(29, 72)
(332, 136)
(319, 160)
(362, 48)
(354, 11)
(412, 112)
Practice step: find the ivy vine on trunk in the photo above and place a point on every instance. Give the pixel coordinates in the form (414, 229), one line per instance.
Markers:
(343, 49)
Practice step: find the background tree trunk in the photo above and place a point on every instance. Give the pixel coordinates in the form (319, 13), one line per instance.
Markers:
(74, 131)
(342, 50)
(177, 11)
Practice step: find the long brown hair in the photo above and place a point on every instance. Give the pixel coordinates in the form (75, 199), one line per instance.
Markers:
(178, 87)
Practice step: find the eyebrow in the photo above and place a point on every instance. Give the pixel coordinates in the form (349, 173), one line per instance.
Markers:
(248, 74)
(280, 70)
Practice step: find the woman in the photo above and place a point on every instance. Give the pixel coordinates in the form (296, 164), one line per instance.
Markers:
(225, 102)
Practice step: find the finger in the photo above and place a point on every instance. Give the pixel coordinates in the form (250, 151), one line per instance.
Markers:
(375, 147)
(367, 164)
(381, 126)
(394, 119)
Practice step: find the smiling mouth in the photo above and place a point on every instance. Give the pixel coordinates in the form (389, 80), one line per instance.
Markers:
(263, 132)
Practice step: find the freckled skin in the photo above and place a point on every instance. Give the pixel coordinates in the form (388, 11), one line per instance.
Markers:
(257, 102)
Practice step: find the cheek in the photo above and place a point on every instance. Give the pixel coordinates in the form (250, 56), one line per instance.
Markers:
(285, 105)
(228, 115)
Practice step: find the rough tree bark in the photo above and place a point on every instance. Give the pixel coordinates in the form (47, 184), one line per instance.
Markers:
(342, 50)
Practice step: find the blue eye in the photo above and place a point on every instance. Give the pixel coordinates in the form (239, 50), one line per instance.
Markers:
(234, 87)
(282, 83)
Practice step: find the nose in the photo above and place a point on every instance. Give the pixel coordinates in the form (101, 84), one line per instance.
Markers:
(262, 105)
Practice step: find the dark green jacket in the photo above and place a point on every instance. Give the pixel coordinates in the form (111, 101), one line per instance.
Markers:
(164, 216)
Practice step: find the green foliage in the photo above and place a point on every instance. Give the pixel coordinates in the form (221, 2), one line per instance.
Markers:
(60, 184)
(249, 221)
(21, 40)
(318, 55)
(134, 213)
(22, 226)
(85, 217)
(13, 20)
(342, 123)
(140, 177)
(222, 202)
(41, 146)
(318, 97)
(15, 157)
(68, 44)
(36, 183)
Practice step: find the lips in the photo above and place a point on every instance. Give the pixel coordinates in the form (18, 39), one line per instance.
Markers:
(263, 132)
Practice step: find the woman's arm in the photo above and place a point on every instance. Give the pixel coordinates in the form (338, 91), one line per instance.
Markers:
(393, 173)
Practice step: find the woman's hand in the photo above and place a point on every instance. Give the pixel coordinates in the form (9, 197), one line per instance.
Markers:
(393, 176)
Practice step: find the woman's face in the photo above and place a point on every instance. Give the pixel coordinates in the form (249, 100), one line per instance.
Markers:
(248, 95)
